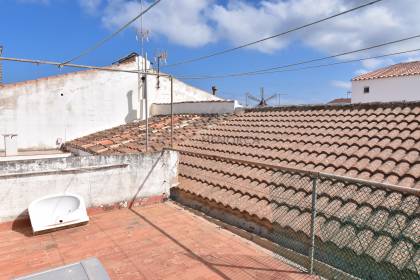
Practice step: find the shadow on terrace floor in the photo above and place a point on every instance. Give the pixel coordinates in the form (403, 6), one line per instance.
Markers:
(161, 241)
(22, 224)
(230, 266)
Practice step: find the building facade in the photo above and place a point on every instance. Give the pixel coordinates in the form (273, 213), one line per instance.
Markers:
(46, 112)
(400, 82)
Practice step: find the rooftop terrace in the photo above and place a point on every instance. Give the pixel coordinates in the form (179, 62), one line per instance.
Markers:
(161, 241)
(334, 189)
(250, 170)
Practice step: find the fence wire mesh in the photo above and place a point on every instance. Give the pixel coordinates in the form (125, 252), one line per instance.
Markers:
(348, 229)
(331, 226)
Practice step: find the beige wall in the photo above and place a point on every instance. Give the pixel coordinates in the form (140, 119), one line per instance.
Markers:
(100, 180)
(50, 110)
(387, 89)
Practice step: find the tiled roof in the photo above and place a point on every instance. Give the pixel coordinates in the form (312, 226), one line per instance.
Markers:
(378, 142)
(130, 138)
(397, 70)
(387, 222)
(340, 101)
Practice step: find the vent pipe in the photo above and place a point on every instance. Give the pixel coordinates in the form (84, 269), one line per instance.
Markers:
(214, 90)
(10, 144)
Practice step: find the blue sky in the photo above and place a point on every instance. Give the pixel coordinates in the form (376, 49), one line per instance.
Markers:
(59, 29)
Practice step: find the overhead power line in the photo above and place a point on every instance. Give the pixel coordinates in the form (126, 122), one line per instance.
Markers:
(307, 61)
(271, 37)
(106, 39)
(308, 67)
(59, 64)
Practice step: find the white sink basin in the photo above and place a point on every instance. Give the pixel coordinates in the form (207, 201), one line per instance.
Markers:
(57, 211)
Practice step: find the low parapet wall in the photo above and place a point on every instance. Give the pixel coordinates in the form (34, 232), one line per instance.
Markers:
(199, 107)
(101, 180)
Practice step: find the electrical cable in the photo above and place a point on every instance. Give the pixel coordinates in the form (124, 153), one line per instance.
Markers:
(308, 61)
(302, 68)
(59, 64)
(270, 37)
(106, 39)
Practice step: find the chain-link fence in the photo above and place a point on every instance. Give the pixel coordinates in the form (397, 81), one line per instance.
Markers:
(341, 227)
(332, 226)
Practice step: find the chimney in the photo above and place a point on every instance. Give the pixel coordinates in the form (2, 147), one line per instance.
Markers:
(1, 69)
(214, 90)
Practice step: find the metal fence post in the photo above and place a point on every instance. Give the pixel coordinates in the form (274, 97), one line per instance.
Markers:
(313, 217)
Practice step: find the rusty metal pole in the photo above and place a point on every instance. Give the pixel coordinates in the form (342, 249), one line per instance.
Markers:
(313, 217)
(172, 111)
(146, 110)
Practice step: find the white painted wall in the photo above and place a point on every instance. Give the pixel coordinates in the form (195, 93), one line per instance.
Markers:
(73, 105)
(146, 175)
(387, 89)
(203, 107)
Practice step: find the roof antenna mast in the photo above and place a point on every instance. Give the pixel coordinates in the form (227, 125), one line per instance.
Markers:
(144, 33)
(144, 36)
(160, 57)
(1, 69)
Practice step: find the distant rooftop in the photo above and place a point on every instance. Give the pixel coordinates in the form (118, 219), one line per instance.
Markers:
(127, 59)
(340, 101)
(397, 70)
(130, 138)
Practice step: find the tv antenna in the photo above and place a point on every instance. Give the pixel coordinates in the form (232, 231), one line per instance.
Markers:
(262, 100)
(348, 94)
(279, 95)
(160, 57)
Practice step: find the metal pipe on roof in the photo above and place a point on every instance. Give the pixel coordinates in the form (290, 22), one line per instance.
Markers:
(139, 89)
(146, 110)
(1, 69)
(58, 64)
(172, 112)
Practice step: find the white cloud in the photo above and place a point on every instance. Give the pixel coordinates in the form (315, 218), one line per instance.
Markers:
(90, 6)
(372, 63)
(361, 72)
(196, 23)
(341, 84)
(183, 22)
(413, 57)
(242, 21)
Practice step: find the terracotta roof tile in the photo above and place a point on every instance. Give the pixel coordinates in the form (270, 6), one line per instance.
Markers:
(130, 138)
(397, 70)
(340, 101)
(378, 142)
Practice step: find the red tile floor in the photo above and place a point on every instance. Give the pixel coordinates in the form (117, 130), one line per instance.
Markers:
(161, 241)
